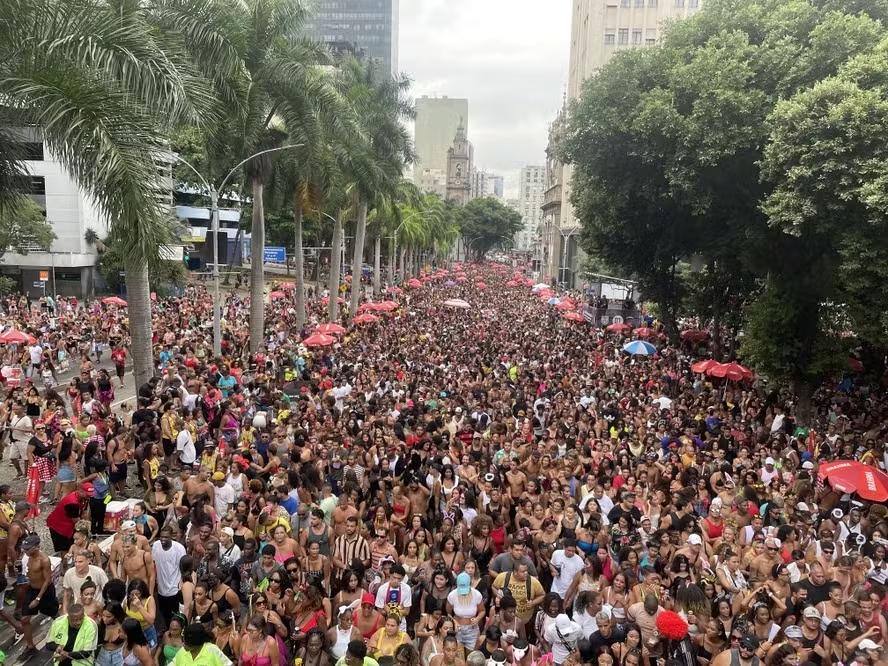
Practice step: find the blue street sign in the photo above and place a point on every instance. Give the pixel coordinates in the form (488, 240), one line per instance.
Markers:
(39, 283)
(275, 255)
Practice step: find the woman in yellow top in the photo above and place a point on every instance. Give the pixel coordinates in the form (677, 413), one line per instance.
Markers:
(140, 606)
(388, 638)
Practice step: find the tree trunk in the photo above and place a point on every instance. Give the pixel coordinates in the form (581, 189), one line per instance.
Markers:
(401, 261)
(299, 267)
(393, 254)
(333, 278)
(804, 411)
(358, 259)
(257, 269)
(377, 266)
(138, 294)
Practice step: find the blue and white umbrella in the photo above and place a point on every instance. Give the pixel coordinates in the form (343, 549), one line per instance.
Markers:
(639, 348)
(553, 301)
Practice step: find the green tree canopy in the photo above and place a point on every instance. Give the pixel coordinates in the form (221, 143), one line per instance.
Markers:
(23, 226)
(487, 223)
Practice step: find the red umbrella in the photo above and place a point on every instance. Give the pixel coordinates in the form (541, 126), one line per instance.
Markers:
(394, 290)
(276, 295)
(480, 285)
(572, 316)
(414, 283)
(732, 371)
(330, 329)
(566, 305)
(319, 340)
(529, 282)
(114, 300)
(287, 286)
(365, 318)
(386, 306)
(461, 278)
(643, 332)
(852, 476)
(694, 335)
(617, 328)
(702, 367)
(16, 337)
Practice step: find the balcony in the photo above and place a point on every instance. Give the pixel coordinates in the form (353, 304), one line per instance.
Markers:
(552, 197)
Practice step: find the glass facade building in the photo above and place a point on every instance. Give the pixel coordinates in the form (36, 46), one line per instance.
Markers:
(364, 27)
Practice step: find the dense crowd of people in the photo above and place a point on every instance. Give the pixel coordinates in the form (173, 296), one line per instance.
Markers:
(444, 486)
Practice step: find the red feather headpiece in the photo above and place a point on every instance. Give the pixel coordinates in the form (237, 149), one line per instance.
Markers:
(671, 625)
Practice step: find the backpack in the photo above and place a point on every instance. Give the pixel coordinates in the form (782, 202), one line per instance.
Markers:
(528, 583)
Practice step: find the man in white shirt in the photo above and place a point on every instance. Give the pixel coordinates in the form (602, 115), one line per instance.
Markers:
(21, 429)
(36, 352)
(76, 576)
(167, 554)
(224, 496)
(395, 594)
(340, 392)
(185, 447)
(565, 565)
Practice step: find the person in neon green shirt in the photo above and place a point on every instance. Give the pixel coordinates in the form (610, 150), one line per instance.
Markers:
(199, 648)
(79, 647)
(356, 655)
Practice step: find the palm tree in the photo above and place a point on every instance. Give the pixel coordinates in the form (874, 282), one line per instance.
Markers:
(374, 165)
(97, 80)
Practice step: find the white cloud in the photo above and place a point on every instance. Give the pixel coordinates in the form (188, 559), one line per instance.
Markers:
(508, 57)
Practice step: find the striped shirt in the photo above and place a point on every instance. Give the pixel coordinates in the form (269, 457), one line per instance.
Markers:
(350, 549)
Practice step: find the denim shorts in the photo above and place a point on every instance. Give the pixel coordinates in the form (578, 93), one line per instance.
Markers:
(110, 657)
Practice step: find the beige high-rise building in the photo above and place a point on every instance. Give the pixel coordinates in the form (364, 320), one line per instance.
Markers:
(599, 29)
(437, 119)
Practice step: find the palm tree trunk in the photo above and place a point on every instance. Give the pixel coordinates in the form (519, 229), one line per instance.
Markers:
(358, 259)
(333, 279)
(377, 266)
(402, 257)
(138, 293)
(257, 269)
(299, 267)
(393, 252)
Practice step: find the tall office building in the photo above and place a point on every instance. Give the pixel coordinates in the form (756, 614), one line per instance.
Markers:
(363, 27)
(599, 29)
(496, 186)
(437, 119)
(531, 186)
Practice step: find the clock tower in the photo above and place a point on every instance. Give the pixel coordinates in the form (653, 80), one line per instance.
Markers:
(459, 167)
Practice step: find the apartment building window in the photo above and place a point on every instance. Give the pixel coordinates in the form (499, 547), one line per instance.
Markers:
(636, 37)
(639, 3)
(609, 39)
(37, 186)
(624, 3)
(693, 4)
(623, 36)
(679, 3)
(652, 3)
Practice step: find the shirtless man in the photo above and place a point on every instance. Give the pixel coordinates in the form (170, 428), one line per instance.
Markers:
(117, 459)
(761, 565)
(419, 497)
(198, 485)
(136, 562)
(127, 528)
(40, 594)
(516, 479)
(343, 511)
(449, 655)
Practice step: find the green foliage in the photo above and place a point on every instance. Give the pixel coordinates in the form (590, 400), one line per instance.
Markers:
(487, 223)
(23, 225)
(753, 137)
(161, 274)
(8, 285)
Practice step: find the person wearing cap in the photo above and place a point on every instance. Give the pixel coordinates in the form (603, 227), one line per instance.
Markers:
(562, 636)
(223, 498)
(63, 518)
(466, 605)
(745, 654)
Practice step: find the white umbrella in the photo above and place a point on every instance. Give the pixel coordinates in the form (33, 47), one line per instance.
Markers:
(457, 303)
(540, 285)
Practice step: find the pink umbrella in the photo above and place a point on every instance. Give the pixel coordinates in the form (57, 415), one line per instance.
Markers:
(330, 329)
(319, 340)
(702, 367)
(365, 319)
(643, 332)
(326, 299)
(572, 316)
(414, 283)
(16, 337)
(566, 305)
(277, 295)
(732, 371)
(287, 286)
(617, 328)
(394, 290)
(694, 335)
(114, 300)
(387, 306)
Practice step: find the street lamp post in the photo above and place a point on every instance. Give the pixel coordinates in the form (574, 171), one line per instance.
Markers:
(214, 226)
(565, 242)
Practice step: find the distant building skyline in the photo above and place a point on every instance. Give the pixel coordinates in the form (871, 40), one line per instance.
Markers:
(436, 122)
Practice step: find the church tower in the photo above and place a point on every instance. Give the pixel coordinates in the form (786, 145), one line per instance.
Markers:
(459, 167)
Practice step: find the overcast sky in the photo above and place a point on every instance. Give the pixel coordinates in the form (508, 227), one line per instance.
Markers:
(508, 57)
